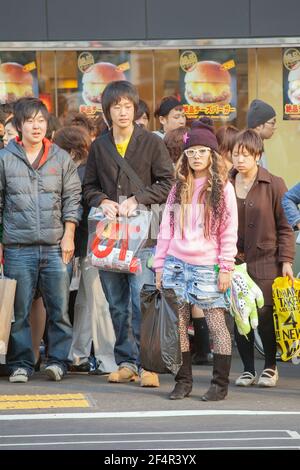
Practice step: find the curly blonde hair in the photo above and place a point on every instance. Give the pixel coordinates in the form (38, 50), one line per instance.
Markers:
(212, 194)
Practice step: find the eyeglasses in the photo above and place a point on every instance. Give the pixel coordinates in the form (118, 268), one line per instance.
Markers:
(191, 153)
(271, 123)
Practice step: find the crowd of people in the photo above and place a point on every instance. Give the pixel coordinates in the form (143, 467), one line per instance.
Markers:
(222, 208)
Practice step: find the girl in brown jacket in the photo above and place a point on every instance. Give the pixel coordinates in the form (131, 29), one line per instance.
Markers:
(265, 242)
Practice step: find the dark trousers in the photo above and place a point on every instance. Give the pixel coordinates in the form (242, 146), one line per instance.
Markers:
(267, 333)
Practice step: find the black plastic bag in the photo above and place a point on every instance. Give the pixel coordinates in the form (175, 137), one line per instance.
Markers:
(160, 342)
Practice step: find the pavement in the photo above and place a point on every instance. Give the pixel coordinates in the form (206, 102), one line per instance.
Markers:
(86, 412)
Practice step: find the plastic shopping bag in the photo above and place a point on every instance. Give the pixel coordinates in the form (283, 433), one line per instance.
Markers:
(114, 244)
(7, 298)
(160, 341)
(76, 275)
(287, 316)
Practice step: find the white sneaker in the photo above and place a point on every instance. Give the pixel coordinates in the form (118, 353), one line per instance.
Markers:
(19, 375)
(246, 379)
(268, 378)
(54, 372)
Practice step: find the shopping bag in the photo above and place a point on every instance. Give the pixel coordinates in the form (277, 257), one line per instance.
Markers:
(287, 316)
(76, 275)
(7, 298)
(113, 245)
(160, 341)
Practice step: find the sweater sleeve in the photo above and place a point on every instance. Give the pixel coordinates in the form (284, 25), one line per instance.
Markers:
(285, 235)
(229, 229)
(165, 234)
(290, 202)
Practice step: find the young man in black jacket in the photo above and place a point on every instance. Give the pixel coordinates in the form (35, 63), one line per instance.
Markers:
(106, 186)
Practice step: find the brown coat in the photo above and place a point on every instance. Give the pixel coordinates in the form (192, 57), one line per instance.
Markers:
(269, 240)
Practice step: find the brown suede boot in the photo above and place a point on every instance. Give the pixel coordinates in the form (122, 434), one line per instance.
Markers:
(183, 379)
(219, 384)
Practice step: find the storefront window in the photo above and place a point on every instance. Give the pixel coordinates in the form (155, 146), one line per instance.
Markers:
(58, 78)
(46, 78)
(265, 83)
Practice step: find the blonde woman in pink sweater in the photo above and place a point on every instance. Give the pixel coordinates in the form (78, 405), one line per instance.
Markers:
(196, 250)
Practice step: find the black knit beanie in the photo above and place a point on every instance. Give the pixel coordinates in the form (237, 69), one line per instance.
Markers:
(202, 133)
(259, 113)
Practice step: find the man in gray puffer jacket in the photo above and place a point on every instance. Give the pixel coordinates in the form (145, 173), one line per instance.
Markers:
(40, 196)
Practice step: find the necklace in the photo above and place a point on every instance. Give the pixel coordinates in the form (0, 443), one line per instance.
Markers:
(243, 185)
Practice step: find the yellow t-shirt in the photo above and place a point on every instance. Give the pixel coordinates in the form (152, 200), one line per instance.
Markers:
(122, 147)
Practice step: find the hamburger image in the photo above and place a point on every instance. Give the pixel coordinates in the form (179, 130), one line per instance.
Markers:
(294, 86)
(96, 78)
(15, 82)
(207, 83)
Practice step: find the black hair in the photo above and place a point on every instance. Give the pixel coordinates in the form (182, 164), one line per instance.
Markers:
(142, 108)
(114, 92)
(27, 108)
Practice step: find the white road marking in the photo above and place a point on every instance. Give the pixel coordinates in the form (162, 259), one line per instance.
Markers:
(239, 431)
(294, 434)
(144, 414)
(142, 441)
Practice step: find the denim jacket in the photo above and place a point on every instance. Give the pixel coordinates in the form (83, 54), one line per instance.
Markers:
(290, 202)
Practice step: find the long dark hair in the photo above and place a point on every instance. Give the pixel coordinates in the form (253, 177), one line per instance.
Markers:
(212, 194)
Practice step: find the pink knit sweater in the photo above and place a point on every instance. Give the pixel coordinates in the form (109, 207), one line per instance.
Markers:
(193, 247)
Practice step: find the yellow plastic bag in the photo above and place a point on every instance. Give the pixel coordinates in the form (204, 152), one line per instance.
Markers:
(287, 316)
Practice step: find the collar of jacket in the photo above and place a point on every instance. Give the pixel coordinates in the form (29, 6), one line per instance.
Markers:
(263, 175)
(16, 147)
(137, 133)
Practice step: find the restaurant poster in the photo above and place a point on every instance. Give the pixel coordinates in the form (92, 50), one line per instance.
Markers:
(208, 83)
(291, 83)
(18, 76)
(95, 70)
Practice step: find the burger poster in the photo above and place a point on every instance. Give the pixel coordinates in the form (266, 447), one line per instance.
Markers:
(208, 83)
(18, 76)
(291, 83)
(95, 70)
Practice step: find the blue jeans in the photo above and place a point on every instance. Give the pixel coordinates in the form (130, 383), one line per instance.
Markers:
(122, 292)
(40, 267)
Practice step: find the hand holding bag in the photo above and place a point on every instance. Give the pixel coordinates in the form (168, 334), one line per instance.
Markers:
(160, 341)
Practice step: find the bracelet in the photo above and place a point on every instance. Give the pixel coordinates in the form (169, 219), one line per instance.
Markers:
(226, 268)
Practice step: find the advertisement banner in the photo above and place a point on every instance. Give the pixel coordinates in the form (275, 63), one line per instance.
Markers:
(208, 83)
(291, 83)
(95, 70)
(18, 76)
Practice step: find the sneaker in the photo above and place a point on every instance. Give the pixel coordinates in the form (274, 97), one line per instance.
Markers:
(54, 372)
(246, 379)
(123, 375)
(268, 378)
(19, 375)
(149, 379)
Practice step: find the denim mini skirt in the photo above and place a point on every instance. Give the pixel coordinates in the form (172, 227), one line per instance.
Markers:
(195, 284)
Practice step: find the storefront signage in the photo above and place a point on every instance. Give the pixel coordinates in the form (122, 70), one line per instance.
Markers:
(208, 83)
(291, 83)
(95, 70)
(18, 76)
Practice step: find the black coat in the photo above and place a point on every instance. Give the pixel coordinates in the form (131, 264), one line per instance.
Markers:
(147, 155)
(81, 233)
